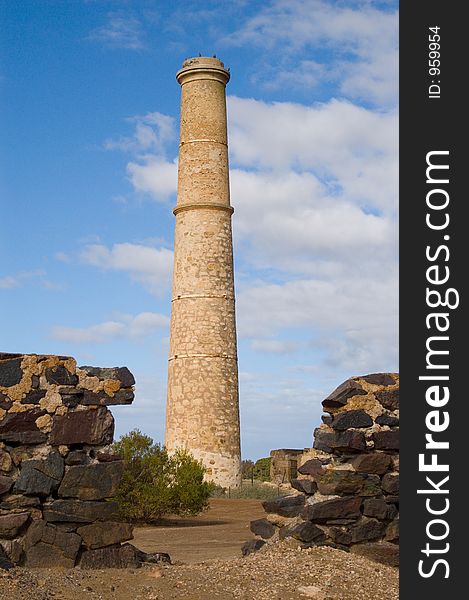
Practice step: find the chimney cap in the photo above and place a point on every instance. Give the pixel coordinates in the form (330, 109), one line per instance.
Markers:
(203, 67)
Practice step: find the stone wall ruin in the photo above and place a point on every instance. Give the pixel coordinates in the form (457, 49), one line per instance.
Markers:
(57, 470)
(348, 484)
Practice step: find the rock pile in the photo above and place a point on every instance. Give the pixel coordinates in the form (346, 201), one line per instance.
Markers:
(57, 471)
(348, 487)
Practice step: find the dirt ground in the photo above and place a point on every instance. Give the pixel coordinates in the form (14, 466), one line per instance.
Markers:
(217, 533)
(207, 565)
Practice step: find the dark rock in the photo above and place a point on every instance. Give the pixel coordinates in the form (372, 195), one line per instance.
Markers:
(35, 381)
(341, 394)
(105, 533)
(305, 532)
(389, 398)
(306, 486)
(340, 521)
(111, 557)
(5, 402)
(379, 509)
(386, 440)
(352, 418)
(348, 482)
(92, 482)
(340, 536)
(76, 511)
(392, 531)
(5, 562)
(339, 440)
(121, 374)
(5, 484)
(153, 557)
(48, 546)
(381, 552)
(285, 506)
(13, 549)
(390, 483)
(40, 477)
(387, 420)
(392, 499)
(311, 467)
(11, 525)
(367, 529)
(21, 427)
(76, 457)
(19, 501)
(61, 376)
(263, 528)
(93, 427)
(375, 462)
(10, 371)
(102, 399)
(71, 397)
(251, 546)
(379, 379)
(327, 419)
(33, 397)
(338, 508)
(105, 456)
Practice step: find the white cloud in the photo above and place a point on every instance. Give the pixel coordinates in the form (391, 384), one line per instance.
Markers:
(150, 172)
(152, 132)
(120, 31)
(273, 346)
(127, 326)
(352, 150)
(357, 42)
(147, 265)
(356, 316)
(37, 277)
(154, 175)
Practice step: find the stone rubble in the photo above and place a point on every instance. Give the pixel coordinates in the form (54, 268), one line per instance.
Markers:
(347, 491)
(57, 472)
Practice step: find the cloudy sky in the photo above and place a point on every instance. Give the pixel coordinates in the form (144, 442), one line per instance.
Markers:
(90, 109)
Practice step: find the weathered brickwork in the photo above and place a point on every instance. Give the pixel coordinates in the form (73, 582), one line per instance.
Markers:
(57, 470)
(202, 413)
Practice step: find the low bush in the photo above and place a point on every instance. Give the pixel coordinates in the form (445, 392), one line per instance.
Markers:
(155, 484)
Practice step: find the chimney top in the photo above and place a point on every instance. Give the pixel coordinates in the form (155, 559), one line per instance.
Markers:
(203, 67)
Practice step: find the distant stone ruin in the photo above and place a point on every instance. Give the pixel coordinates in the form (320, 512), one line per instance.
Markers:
(57, 470)
(284, 465)
(348, 483)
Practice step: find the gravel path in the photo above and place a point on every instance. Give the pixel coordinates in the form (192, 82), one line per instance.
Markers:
(278, 572)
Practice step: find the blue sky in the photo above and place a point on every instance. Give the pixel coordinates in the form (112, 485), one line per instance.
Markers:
(89, 134)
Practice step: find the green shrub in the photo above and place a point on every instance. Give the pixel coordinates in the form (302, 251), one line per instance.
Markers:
(262, 469)
(247, 469)
(155, 484)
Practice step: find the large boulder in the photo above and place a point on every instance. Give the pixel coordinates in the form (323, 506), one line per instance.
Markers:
(92, 482)
(76, 511)
(111, 557)
(46, 545)
(40, 477)
(98, 535)
(341, 394)
(10, 525)
(21, 427)
(337, 508)
(348, 482)
(93, 427)
(285, 506)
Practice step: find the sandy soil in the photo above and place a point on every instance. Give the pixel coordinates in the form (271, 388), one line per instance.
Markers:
(217, 533)
(208, 566)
